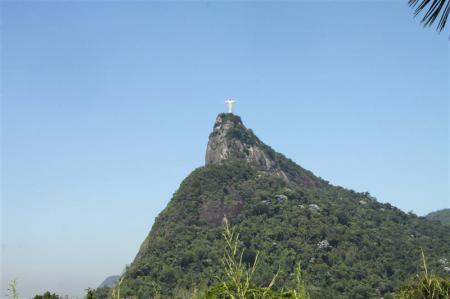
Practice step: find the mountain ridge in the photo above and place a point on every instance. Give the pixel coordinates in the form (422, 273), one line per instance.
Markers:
(443, 216)
(230, 139)
(349, 244)
(109, 281)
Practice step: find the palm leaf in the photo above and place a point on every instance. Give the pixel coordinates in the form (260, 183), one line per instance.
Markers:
(434, 9)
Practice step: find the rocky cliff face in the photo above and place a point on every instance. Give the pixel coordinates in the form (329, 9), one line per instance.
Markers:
(231, 140)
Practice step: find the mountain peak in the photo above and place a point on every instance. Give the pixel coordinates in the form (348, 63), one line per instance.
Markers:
(231, 140)
(289, 215)
(228, 118)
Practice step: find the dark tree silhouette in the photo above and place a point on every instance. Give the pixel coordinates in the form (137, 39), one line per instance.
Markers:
(433, 9)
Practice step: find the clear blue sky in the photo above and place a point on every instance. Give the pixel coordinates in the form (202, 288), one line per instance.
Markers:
(107, 106)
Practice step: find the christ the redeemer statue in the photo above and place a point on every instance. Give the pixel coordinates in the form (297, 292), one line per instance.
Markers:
(230, 103)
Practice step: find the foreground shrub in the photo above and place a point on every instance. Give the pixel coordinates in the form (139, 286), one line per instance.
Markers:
(426, 287)
(47, 295)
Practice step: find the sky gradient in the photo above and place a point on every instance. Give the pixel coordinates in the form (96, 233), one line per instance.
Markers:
(107, 106)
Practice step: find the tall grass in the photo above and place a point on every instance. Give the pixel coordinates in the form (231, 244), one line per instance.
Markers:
(12, 292)
(426, 287)
(236, 271)
(115, 293)
(238, 282)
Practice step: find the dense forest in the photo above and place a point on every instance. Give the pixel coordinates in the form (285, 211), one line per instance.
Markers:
(348, 244)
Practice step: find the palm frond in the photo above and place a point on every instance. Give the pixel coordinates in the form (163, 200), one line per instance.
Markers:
(434, 9)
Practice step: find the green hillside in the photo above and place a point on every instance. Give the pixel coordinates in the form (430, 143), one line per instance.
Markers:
(348, 244)
(443, 216)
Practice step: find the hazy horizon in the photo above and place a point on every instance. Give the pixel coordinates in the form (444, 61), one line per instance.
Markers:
(107, 106)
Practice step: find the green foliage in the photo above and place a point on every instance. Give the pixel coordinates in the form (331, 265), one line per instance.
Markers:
(371, 246)
(242, 134)
(238, 283)
(47, 295)
(230, 117)
(426, 286)
(236, 272)
(103, 293)
(443, 216)
(222, 292)
(90, 294)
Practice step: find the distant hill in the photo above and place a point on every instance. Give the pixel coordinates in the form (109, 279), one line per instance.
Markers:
(349, 245)
(443, 216)
(109, 281)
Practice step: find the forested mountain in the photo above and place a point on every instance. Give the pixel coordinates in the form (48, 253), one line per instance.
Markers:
(109, 281)
(348, 244)
(443, 216)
